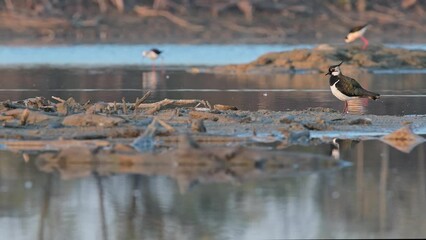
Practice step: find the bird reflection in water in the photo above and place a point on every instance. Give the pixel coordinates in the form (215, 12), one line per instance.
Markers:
(357, 106)
(150, 80)
(335, 149)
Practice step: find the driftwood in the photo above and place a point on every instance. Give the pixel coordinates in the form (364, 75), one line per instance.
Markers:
(147, 12)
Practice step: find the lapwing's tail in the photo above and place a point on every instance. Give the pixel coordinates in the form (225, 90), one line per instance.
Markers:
(372, 95)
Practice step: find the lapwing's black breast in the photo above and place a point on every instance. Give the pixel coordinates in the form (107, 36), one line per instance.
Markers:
(333, 80)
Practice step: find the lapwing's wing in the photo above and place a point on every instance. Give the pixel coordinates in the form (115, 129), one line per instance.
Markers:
(350, 87)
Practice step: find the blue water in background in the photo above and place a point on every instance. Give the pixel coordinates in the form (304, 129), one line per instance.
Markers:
(125, 55)
(101, 55)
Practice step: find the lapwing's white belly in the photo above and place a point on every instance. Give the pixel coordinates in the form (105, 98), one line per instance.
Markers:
(338, 94)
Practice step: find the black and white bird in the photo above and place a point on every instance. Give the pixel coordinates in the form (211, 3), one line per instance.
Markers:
(357, 32)
(335, 149)
(346, 88)
(152, 54)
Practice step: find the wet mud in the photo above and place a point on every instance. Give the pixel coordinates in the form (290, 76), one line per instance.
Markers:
(317, 60)
(107, 137)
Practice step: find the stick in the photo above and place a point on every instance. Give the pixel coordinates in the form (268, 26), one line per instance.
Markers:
(138, 102)
(165, 125)
(124, 106)
(58, 99)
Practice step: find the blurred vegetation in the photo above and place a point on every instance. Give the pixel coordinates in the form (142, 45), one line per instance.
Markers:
(255, 17)
(68, 8)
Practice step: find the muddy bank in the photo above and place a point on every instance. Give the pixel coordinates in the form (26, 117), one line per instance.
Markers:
(321, 57)
(42, 120)
(187, 139)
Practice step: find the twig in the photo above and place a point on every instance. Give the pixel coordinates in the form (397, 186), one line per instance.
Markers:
(165, 125)
(115, 106)
(157, 106)
(124, 105)
(58, 99)
(146, 96)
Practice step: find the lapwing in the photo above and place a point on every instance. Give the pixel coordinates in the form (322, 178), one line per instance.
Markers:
(346, 88)
(152, 54)
(357, 32)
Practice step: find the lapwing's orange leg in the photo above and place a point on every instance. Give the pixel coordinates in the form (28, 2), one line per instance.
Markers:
(345, 108)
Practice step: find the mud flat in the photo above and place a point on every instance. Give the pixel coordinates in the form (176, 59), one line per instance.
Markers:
(321, 57)
(190, 140)
(164, 121)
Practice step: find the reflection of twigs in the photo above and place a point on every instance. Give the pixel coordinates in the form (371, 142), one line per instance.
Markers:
(101, 205)
(147, 12)
(383, 188)
(45, 208)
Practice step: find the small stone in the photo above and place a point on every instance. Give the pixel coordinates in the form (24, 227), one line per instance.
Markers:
(361, 121)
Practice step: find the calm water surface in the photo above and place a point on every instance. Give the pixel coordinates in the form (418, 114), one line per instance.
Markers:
(381, 194)
(402, 93)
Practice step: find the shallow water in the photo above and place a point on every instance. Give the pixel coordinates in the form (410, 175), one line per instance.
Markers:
(402, 93)
(382, 195)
